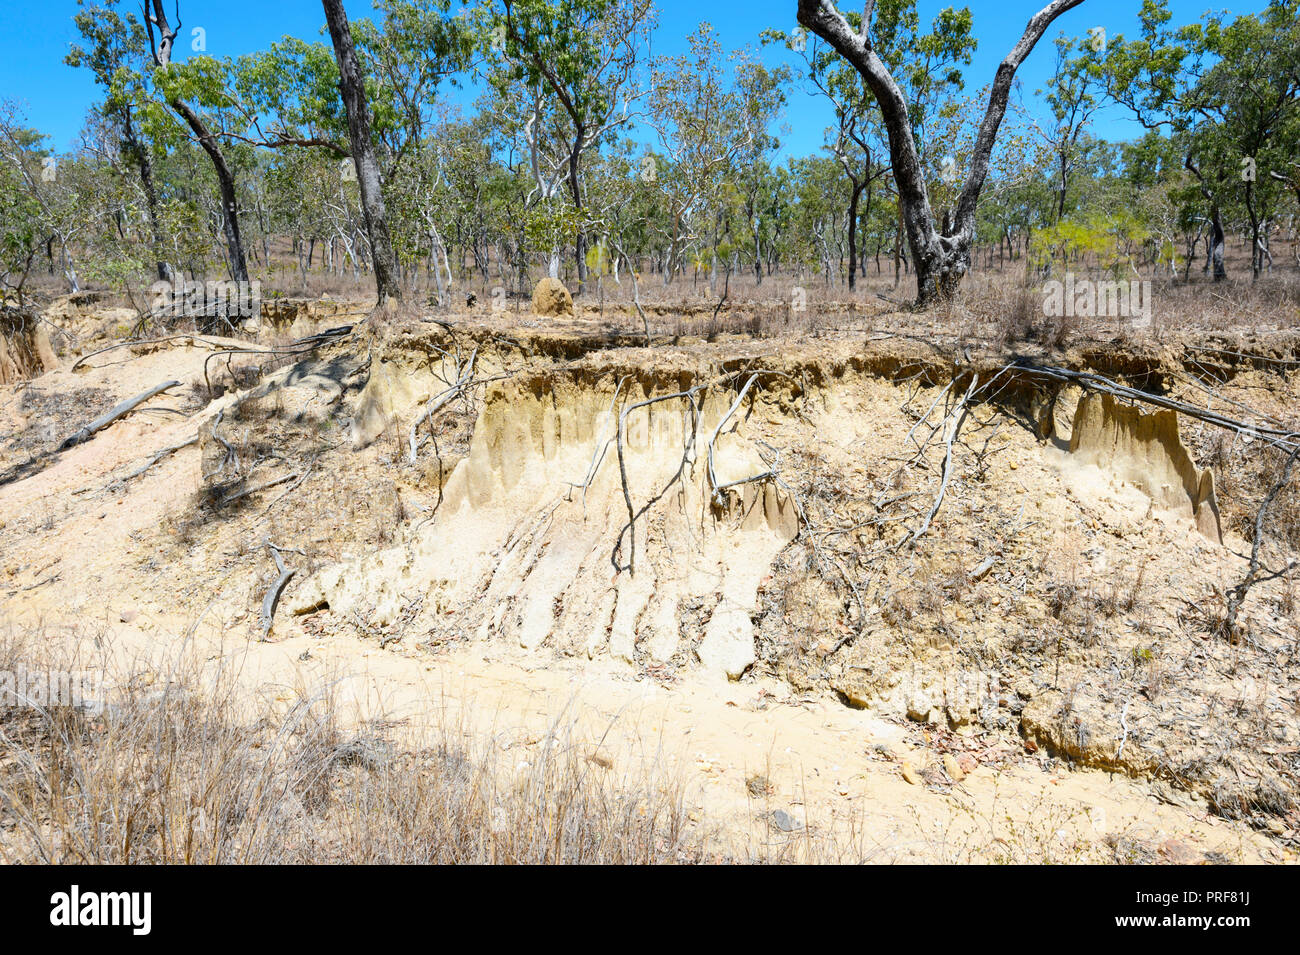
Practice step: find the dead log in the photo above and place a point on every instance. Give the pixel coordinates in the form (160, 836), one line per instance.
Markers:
(121, 410)
(1281, 438)
(272, 598)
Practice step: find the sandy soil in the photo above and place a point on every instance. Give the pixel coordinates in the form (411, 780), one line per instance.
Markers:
(146, 570)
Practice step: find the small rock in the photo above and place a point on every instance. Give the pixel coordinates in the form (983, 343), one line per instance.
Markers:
(952, 768)
(784, 822)
(920, 707)
(126, 616)
(910, 774)
(1178, 853)
(984, 567)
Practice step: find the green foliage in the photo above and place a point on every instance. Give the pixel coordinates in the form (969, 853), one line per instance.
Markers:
(1106, 240)
(550, 162)
(1228, 89)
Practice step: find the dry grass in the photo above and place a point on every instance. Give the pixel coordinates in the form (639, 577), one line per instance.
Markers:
(182, 768)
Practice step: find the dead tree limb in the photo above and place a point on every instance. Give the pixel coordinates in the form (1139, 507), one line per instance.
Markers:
(958, 418)
(264, 486)
(464, 375)
(713, 477)
(291, 488)
(1278, 437)
(158, 456)
(629, 529)
(231, 456)
(1237, 595)
(691, 426)
(146, 341)
(272, 598)
(121, 410)
(598, 454)
(925, 417)
(300, 346)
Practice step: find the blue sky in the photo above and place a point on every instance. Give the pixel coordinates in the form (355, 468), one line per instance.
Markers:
(35, 38)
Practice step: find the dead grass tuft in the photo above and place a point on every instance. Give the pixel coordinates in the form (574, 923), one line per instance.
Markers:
(181, 768)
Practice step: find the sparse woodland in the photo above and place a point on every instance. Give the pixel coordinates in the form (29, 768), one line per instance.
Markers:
(940, 486)
(585, 156)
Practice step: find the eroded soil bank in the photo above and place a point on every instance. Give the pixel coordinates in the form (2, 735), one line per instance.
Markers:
(918, 600)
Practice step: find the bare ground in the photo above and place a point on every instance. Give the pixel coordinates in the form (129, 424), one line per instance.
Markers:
(1037, 674)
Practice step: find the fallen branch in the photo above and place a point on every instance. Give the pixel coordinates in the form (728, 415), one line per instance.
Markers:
(121, 410)
(299, 346)
(1123, 722)
(40, 583)
(439, 401)
(1237, 595)
(690, 427)
(274, 482)
(598, 455)
(272, 598)
(293, 487)
(713, 477)
(958, 417)
(148, 341)
(689, 445)
(925, 417)
(1278, 437)
(231, 454)
(172, 449)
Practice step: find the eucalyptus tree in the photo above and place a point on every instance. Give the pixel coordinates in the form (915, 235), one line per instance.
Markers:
(1074, 93)
(199, 81)
(159, 105)
(928, 69)
(295, 94)
(115, 52)
(352, 86)
(763, 95)
(575, 64)
(1231, 87)
(856, 138)
(296, 184)
(709, 109)
(815, 238)
(942, 256)
(1252, 96)
(760, 186)
(21, 237)
(58, 207)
